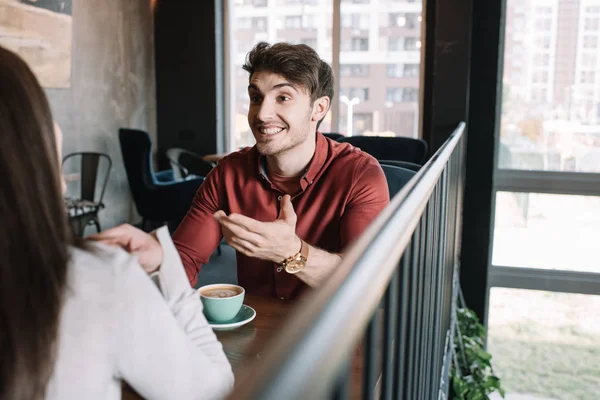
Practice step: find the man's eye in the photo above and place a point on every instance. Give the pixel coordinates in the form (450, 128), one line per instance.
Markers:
(255, 99)
(284, 98)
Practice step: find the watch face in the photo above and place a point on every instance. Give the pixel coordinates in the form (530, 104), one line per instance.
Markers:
(294, 266)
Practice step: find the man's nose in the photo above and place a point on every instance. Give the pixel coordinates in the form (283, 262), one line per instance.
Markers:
(266, 110)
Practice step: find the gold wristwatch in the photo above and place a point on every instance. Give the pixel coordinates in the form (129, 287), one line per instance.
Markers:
(297, 262)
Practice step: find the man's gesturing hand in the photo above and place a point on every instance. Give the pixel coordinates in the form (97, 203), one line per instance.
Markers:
(273, 241)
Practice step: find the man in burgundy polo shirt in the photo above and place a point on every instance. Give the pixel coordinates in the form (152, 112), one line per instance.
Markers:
(293, 202)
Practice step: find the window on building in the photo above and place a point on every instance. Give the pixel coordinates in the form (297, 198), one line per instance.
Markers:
(395, 70)
(355, 44)
(293, 21)
(410, 94)
(541, 60)
(588, 76)
(394, 44)
(259, 24)
(393, 95)
(412, 69)
(363, 122)
(543, 42)
(588, 60)
(543, 24)
(355, 21)
(592, 10)
(413, 20)
(361, 94)
(543, 10)
(590, 42)
(591, 24)
(412, 44)
(354, 70)
(396, 20)
(244, 23)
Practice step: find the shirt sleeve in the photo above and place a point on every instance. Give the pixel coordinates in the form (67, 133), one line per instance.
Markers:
(199, 234)
(368, 197)
(165, 347)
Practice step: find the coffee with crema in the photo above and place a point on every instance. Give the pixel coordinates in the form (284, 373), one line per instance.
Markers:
(221, 291)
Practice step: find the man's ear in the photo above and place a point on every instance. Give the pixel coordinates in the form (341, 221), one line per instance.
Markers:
(320, 108)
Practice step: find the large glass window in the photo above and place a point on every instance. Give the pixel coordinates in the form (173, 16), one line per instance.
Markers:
(295, 21)
(393, 58)
(380, 45)
(547, 231)
(554, 127)
(544, 344)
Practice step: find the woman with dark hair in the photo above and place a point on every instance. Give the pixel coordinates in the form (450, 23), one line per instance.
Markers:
(77, 318)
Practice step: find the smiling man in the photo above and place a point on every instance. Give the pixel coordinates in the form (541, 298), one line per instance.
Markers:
(292, 203)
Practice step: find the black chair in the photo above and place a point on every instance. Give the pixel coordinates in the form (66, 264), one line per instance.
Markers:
(390, 148)
(402, 164)
(187, 164)
(334, 136)
(396, 177)
(90, 171)
(156, 201)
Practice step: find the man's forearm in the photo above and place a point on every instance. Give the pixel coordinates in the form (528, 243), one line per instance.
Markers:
(319, 266)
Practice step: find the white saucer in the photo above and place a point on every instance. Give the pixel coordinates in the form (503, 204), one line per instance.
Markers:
(245, 315)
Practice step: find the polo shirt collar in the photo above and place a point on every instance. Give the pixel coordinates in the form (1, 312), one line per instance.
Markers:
(314, 167)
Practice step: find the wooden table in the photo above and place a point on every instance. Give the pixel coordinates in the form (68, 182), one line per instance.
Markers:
(245, 344)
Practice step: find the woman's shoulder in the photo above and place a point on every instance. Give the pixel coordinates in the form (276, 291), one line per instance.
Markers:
(105, 263)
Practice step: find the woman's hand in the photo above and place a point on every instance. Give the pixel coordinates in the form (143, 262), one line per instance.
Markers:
(135, 241)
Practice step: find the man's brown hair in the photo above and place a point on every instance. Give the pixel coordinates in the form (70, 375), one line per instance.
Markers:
(298, 63)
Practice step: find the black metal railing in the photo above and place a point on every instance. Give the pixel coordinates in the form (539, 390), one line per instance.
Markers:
(391, 296)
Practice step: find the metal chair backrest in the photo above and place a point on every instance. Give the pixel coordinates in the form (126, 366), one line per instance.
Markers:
(402, 164)
(185, 162)
(89, 173)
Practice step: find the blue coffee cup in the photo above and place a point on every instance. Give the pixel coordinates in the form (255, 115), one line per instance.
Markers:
(221, 301)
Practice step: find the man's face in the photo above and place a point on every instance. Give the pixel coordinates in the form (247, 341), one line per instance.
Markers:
(280, 113)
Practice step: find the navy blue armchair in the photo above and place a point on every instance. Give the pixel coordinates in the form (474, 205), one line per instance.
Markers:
(158, 201)
(391, 148)
(396, 177)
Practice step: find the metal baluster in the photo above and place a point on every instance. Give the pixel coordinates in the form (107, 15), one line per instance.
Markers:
(428, 303)
(401, 360)
(419, 324)
(341, 390)
(440, 327)
(412, 325)
(370, 357)
(389, 342)
(425, 344)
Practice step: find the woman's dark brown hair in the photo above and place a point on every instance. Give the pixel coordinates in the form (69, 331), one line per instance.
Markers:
(34, 234)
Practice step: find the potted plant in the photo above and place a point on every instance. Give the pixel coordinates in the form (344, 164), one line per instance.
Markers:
(471, 376)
